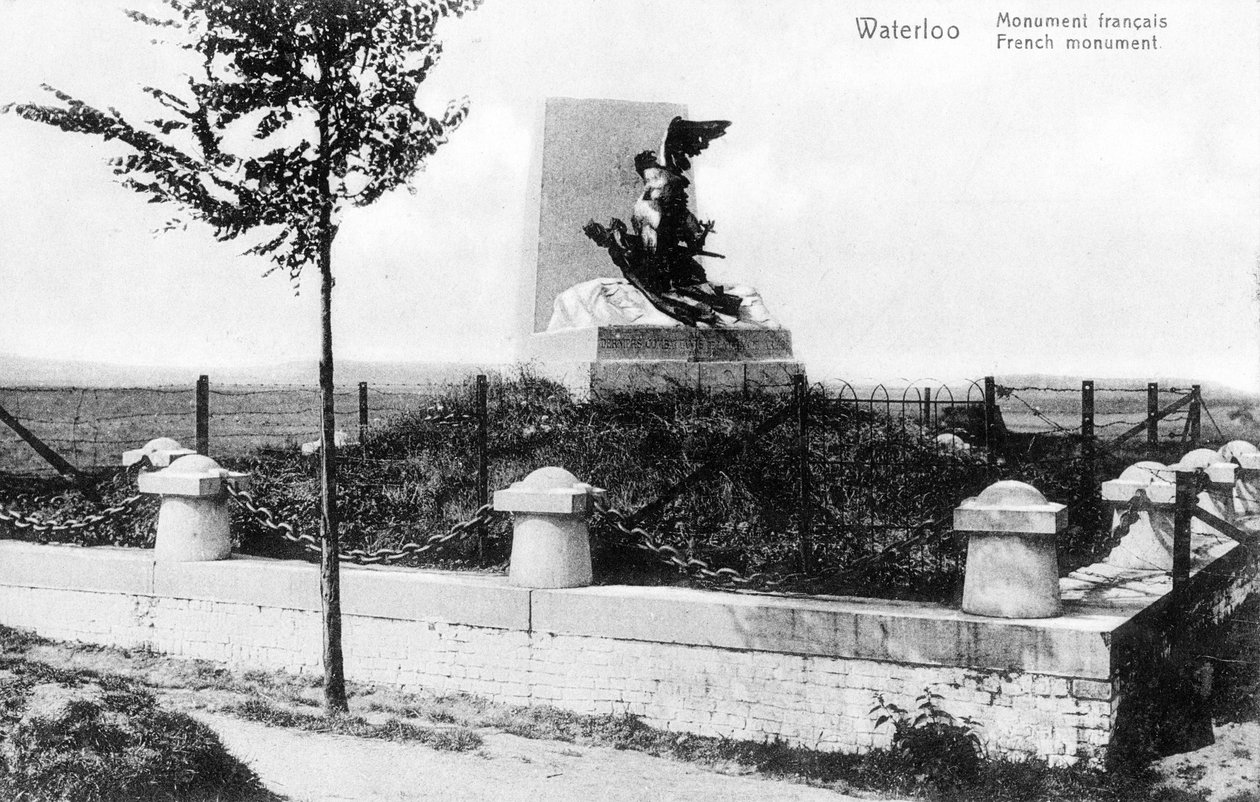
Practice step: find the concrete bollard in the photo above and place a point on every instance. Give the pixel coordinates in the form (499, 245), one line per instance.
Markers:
(160, 451)
(193, 521)
(1246, 479)
(1149, 542)
(1012, 552)
(1218, 498)
(550, 542)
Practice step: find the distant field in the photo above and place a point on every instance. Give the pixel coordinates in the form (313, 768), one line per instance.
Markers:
(91, 427)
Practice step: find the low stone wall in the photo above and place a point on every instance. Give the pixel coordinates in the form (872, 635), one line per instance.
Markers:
(743, 666)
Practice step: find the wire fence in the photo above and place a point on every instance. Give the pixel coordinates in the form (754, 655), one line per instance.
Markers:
(862, 483)
(91, 427)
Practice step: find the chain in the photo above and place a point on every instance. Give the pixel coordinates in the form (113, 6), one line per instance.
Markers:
(21, 521)
(1132, 511)
(672, 556)
(267, 518)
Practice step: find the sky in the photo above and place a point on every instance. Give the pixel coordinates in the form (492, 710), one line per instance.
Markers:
(909, 209)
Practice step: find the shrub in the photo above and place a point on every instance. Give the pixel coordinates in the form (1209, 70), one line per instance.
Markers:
(940, 749)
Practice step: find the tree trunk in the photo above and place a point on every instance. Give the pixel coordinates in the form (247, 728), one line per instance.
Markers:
(329, 561)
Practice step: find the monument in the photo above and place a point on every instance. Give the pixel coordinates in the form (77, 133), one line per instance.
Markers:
(622, 308)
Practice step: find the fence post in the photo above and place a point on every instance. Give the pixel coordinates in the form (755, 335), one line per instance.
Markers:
(990, 418)
(1088, 444)
(1187, 499)
(1152, 413)
(363, 413)
(927, 407)
(1195, 413)
(203, 415)
(483, 460)
(800, 394)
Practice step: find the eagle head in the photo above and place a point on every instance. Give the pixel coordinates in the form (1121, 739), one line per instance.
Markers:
(643, 161)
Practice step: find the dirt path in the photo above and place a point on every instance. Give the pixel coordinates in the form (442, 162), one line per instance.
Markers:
(1222, 770)
(309, 767)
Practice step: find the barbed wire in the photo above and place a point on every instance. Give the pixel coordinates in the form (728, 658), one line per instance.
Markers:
(1001, 389)
(1057, 427)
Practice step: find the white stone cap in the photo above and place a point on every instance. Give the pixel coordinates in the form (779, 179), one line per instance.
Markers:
(547, 490)
(161, 451)
(1009, 506)
(1235, 449)
(951, 442)
(193, 475)
(1248, 461)
(1156, 480)
(1218, 469)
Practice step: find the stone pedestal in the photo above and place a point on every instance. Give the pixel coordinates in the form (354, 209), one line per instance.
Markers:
(193, 521)
(624, 359)
(550, 542)
(1218, 497)
(1012, 555)
(1148, 544)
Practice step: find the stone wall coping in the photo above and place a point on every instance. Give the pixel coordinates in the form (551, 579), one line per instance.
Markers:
(1077, 644)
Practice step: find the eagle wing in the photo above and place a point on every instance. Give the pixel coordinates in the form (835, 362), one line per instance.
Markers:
(686, 138)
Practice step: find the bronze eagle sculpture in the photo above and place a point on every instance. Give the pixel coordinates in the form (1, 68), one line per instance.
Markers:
(659, 257)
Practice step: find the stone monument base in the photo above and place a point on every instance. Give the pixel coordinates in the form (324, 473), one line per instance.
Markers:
(626, 359)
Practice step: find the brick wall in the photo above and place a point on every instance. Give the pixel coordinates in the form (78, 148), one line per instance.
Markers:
(740, 666)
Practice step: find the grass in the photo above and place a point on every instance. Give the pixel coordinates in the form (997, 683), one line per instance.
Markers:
(457, 739)
(81, 735)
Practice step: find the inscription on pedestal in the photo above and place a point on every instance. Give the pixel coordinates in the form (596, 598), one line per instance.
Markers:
(693, 345)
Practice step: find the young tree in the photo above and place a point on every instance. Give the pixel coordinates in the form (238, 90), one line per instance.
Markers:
(328, 90)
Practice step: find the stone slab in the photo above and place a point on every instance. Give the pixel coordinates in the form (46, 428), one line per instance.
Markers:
(657, 343)
(259, 581)
(588, 173)
(454, 598)
(102, 569)
(1122, 490)
(381, 592)
(1048, 519)
(558, 501)
(643, 377)
(172, 483)
(1075, 645)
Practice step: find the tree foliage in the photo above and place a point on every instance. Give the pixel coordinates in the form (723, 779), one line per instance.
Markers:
(326, 90)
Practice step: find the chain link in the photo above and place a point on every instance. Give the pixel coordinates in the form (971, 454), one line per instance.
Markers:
(22, 521)
(673, 556)
(1137, 505)
(310, 543)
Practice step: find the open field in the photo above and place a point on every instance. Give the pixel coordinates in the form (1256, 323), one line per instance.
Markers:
(92, 426)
